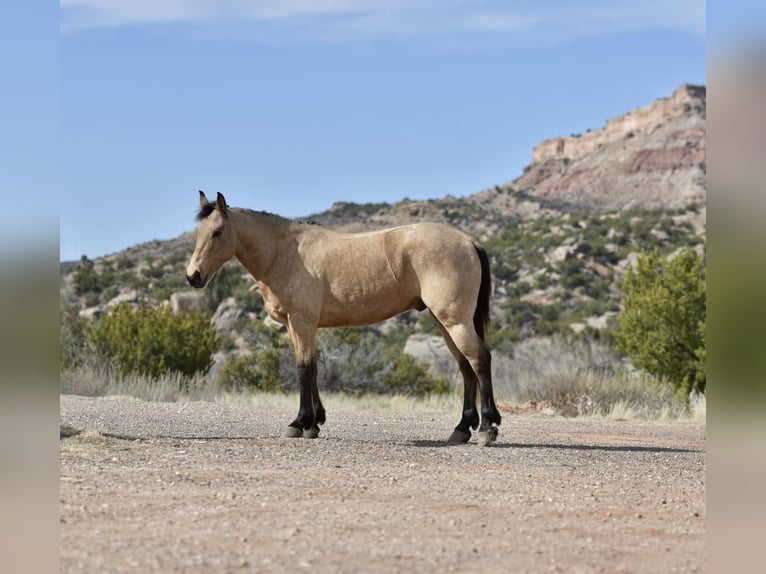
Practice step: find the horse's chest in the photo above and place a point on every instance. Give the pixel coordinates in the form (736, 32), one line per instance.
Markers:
(273, 305)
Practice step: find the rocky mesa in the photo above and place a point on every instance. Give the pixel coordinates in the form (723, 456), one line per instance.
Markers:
(650, 158)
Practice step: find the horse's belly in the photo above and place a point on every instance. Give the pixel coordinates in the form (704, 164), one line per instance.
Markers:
(364, 304)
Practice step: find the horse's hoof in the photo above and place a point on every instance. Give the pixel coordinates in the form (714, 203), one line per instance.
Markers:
(488, 436)
(311, 433)
(459, 436)
(292, 432)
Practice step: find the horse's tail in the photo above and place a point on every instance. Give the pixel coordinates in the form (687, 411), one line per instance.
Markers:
(481, 315)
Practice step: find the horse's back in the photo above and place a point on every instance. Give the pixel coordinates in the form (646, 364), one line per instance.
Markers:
(430, 248)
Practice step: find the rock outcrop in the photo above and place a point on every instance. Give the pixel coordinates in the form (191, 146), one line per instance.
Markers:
(652, 157)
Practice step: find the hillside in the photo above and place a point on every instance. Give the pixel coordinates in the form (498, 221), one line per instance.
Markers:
(560, 236)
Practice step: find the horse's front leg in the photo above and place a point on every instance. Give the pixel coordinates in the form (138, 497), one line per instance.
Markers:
(311, 412)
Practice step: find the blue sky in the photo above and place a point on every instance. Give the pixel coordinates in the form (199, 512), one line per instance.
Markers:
(291, 105)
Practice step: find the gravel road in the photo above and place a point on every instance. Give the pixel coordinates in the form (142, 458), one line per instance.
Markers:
(211, 487)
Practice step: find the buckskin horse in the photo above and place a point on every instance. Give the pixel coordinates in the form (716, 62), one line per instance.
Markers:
(311, 276)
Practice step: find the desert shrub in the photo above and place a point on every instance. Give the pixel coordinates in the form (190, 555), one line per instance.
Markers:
(662, 325)
(356, 361)
(408, 376)
(138, 282)
(221, 285)
(572, 273)
(86, 280)
(125, 262)
(248, 299)
(91, 299)
(153, 272)
(598, 392)
(258, 371)
(580, 377)
(270, 367)
(152, 342)
(351, 360)
(542, 280)
(72, 338)
(110, 292)
(229, 281)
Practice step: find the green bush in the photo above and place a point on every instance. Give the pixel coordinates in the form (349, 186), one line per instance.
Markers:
(352, 360)
(86, 280)
(662, 325)
(408, 376)
(125, 262)
(356, 361)
(259, 371)
(153, 342)
(270, 367)
(72, 338)
(231, 281)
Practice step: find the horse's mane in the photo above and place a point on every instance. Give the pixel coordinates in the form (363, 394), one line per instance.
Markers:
(207, 209)
(275, 217)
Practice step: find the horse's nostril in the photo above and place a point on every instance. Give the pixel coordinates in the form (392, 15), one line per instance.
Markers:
(194, 280)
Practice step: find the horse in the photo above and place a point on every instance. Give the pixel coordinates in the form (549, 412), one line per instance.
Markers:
(312, 277)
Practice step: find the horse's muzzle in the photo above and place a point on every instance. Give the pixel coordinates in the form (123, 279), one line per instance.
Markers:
(195, 280)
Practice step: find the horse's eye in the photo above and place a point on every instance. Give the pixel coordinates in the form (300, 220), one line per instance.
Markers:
(217, 232)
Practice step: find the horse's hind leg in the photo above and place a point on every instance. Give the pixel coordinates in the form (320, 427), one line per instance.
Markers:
(470, 416)
(490, 416)
(319, 412)
(475, 351)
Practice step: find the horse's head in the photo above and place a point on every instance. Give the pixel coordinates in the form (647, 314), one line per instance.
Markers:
(215, 241)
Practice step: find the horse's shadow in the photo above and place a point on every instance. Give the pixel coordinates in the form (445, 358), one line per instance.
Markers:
(560, 446)
(70, 431)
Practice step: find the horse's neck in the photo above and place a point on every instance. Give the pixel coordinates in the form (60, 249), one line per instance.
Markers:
(258, 238)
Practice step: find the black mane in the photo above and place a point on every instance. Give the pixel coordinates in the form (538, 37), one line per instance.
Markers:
(279, 217)
(205, 210)
(208, 208)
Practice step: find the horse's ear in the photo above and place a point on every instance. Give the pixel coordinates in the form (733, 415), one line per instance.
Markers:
(202, 199)
(220, 202)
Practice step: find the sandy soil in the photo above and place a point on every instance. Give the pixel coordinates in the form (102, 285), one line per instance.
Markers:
(210, 487)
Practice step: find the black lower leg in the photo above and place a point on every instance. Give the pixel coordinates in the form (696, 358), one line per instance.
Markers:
(318, 408)
(489, 413)
(307, 417)
(470, 417)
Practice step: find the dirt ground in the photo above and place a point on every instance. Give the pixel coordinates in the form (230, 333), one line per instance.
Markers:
(210, 487)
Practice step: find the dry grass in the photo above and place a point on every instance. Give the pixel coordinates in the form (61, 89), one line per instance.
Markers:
(344, 402)
(576, 380)
(90, 382)
(579, 378)
(581, 393)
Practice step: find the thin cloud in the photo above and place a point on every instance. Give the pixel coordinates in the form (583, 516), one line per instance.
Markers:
(351, 20)
(593, 18)
(78, 14)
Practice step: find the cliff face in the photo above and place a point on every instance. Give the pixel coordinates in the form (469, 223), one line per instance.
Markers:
(652, 157)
